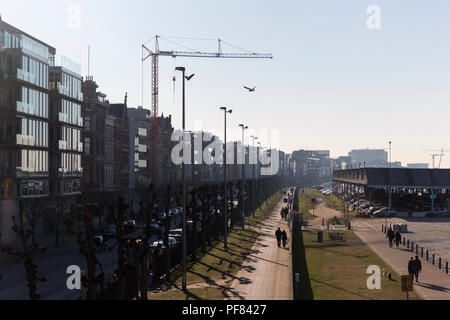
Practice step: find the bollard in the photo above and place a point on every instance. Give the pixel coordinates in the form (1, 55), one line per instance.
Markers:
(417, 249)
(427, 256)
(408, 244)
(434, 259)
(440, 263)
(404, 241)
(446, 267)
(422, 253)
(412, 246)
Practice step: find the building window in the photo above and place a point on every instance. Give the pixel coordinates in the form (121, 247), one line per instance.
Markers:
(142, 132)
(87, 123)
(87, 145)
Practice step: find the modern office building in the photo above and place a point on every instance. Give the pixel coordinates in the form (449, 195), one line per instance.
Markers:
(369, 157)
(24, 121)
(66, 124)
(418, 165)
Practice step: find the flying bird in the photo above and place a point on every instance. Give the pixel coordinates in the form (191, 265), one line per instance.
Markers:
(188, 78)
(250, 89)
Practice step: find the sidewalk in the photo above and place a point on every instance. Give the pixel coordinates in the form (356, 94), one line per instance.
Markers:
(434, 284)
(269, 268)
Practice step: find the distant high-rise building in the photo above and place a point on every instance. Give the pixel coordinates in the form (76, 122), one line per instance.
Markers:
(418, 165)
(369, 157)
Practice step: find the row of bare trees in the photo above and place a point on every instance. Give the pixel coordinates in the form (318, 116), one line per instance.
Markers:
(204, 208)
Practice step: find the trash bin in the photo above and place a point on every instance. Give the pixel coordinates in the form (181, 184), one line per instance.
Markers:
(320, 236)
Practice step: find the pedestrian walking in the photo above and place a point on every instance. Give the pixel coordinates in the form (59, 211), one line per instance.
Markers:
(411, 265)
(417, 268)
(284, 238)
(279, 234)
(391, 237)
(398, 238)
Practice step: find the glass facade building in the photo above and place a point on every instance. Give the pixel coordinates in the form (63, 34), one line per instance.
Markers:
(67, 123)
(25, 116)
(40, 123)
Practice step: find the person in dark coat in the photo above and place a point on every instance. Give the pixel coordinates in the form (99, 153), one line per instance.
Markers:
(417, 268)
(398, 238)
(411, 268)
(278, 234)
(391, 236)
(284, 238)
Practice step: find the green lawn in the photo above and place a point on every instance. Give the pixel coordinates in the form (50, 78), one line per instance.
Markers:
(217, 268)
(337, 272)
(332, 201)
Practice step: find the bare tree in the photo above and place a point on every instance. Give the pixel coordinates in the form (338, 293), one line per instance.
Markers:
(85, 236)
(24, 225)
(62, 207)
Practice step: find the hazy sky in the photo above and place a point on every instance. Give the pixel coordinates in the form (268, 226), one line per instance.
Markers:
(334, 84)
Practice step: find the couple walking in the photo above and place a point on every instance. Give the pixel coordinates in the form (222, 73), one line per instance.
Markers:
(414, 268)
(281, 237)
(394, 237)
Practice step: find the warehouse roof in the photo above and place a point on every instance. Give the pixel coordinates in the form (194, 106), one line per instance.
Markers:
(400, 177)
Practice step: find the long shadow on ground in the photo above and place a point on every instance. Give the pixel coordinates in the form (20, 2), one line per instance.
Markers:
(302, 290)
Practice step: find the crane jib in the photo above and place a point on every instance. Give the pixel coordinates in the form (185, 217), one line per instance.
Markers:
(215, 55)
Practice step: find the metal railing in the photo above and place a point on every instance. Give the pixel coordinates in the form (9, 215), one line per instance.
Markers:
(426, 254)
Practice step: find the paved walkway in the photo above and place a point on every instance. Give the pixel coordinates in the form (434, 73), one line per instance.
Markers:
(269, 268)
(434, 284)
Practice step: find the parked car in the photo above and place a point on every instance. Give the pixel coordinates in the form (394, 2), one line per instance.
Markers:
(162, 215)
(384, 212)
(130, 223)
(154, 225)
(110, 232)
(438, 212)
(366, 205)
(176, 231)
(172, 242)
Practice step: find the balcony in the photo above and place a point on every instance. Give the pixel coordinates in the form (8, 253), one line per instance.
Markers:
(26, 76)
(63, 117)
(25, 140)
(62, 145)
(142, 163)
(142, 148)
(26, 108)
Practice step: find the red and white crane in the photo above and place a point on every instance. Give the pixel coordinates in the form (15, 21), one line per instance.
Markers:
(154, 54)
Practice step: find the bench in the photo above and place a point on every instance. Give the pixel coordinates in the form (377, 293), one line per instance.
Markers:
(336, 237)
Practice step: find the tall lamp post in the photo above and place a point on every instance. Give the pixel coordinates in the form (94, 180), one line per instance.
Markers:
(225, 179)
(243, 175)
(183, 175)
(254, 174)
(259, 182)
(390, 182)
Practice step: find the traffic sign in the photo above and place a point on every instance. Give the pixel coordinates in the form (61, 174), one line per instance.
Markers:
(409, 280)
(433, 197)
(285, 200)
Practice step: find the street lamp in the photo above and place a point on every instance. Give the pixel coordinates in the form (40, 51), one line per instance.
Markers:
(254, 174)
(259, 180)
(183, 170)
(225, 195)
(243, 175)
(390, 182)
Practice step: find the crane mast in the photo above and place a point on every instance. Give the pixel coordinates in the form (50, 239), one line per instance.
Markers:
(155, 54)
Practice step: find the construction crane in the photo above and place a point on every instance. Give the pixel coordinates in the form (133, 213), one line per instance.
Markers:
(154, 54)
(435, 155)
